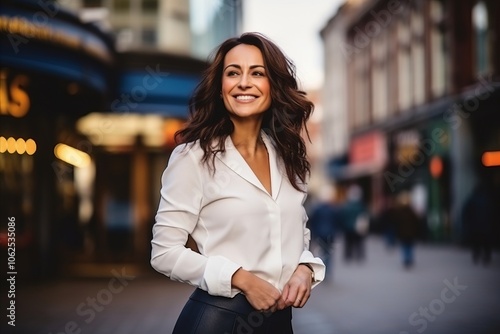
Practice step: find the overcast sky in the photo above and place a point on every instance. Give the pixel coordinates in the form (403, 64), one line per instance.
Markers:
(294, 25)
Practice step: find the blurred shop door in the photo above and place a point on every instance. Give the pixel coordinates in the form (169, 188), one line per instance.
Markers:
(113, 196)
(119, 226)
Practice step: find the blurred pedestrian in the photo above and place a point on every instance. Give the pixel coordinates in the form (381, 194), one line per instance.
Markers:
(385, 223)
(355, 222)
(478, 219)
(236, 184)
(407, 224)
(323, 222)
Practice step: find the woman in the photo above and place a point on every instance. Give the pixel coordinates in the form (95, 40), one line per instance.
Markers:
(236, 184)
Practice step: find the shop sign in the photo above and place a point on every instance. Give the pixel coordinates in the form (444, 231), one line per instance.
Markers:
(20, 30)
(370, 148)
(406, 145)
(14, 99)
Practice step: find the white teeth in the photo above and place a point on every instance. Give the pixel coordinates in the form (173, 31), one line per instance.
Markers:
(245, 97)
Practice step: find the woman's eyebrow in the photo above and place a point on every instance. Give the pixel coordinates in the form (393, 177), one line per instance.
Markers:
(239, 67)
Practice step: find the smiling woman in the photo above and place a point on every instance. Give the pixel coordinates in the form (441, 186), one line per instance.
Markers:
(210, 123)
(237, 182)
(245, 85)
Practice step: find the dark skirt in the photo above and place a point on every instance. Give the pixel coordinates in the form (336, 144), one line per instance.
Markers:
(207, 314)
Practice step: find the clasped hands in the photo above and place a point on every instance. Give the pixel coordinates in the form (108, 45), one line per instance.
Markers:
(264, 297)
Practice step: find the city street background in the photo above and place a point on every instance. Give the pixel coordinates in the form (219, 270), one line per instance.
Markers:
(377, 296)
(406, 97)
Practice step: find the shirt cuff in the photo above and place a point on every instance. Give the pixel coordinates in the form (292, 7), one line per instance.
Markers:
(317, 265)
(218, 275)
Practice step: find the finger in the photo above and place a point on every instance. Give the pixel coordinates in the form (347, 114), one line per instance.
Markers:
(287, 298)
(303, 301)
(286, 291)
(305, 298)
(292, 296)
(297, 302)
(301, 296)
(273, 308)
(281, 305)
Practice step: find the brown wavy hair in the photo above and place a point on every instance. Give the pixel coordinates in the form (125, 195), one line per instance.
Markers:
(283, 121)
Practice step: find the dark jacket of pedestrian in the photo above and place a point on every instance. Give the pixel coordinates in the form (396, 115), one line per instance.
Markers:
(407, 223)
(351, 213)
(324, 221)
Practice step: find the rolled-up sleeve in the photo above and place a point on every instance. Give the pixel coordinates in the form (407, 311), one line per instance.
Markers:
(181, 200)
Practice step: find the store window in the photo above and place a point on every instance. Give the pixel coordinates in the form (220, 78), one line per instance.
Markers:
(17, 181)
(482, 38)
(404, 66)
(392, 68)
(379, 77)
(418, 56)
(361, 89)
(438, 49)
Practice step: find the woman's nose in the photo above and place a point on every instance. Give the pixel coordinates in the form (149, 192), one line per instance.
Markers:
(245, 81)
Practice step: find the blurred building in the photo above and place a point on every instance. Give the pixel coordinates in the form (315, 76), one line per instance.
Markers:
(54, 69)
(186, 27)
(411, 102)
(162, 48)
(91, 95)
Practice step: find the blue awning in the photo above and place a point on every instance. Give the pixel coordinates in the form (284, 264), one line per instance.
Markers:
(153, 91)
(61, 46)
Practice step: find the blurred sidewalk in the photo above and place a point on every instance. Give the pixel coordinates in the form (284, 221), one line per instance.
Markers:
(443, 294)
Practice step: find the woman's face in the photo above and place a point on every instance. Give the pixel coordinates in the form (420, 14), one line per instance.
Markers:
(246, 90)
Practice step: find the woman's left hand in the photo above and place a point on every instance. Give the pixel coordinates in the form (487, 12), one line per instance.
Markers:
(298, 289)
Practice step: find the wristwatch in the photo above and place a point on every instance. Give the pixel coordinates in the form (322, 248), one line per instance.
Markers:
(313, 278)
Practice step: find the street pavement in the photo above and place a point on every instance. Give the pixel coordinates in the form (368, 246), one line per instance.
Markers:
(444, 293)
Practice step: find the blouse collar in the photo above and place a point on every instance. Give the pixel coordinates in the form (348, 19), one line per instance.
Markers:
(235, 161)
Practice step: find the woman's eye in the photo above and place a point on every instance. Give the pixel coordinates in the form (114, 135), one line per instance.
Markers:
(232, 73)
(259, 74)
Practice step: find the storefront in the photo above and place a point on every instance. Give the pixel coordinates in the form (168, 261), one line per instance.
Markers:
(364, 165)
(54, 69)
(132, 140)
(419, 164)
(474, 121)
(442, 153)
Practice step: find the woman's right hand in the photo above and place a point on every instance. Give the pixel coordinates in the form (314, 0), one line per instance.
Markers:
(262, 295)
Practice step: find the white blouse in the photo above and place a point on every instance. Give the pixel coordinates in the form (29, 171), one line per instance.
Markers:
(234, 221)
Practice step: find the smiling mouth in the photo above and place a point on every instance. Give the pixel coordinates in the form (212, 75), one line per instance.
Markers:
(245, 97)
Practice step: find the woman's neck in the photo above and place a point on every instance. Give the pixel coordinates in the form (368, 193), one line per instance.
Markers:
(246, 136)
(247, 139)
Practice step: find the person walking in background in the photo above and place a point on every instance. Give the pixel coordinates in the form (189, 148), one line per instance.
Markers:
(407, 224)
(355, 222)
(478, 220)
(324, 222)
(237, 183)
(386, 225)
